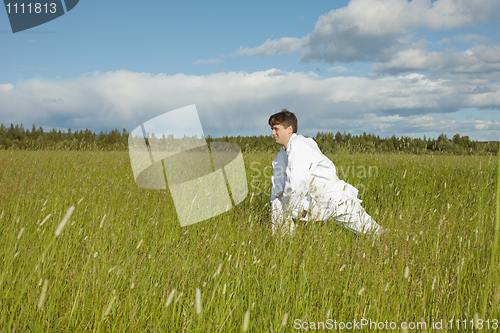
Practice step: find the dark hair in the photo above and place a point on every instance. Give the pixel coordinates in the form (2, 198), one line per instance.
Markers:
(284, 118)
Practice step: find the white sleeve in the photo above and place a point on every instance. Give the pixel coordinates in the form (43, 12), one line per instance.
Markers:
(278, 178)
(301, 161)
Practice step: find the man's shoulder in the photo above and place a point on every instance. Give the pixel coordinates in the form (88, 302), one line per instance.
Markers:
(301, 138)
(302, 142)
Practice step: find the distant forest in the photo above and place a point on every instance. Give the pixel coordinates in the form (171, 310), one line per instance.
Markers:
(18, 138)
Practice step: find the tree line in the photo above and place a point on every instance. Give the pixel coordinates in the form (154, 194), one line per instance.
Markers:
(18, 138)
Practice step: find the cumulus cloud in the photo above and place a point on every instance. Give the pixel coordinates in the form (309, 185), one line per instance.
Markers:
(284, 45)
(478, 59)
(239, 103)
(420, 124)
(367, 30)
(6, 87)
(338, 69)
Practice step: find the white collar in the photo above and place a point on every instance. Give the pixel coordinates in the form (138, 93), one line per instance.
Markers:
(287, 150)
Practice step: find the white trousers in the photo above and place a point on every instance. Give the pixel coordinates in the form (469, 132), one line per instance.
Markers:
(339, 204)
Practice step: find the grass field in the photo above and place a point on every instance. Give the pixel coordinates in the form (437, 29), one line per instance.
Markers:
(122, 262)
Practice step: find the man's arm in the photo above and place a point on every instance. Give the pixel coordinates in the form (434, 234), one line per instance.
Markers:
(280, 197)
(278, 178)
(301, 161)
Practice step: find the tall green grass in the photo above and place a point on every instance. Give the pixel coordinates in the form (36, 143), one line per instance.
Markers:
(123, 263)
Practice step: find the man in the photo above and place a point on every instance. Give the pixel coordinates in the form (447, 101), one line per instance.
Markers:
(306, 186)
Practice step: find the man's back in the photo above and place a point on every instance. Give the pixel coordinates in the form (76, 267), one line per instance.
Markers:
(300, 168)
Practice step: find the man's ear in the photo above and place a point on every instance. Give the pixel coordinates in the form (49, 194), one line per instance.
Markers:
(290, 129)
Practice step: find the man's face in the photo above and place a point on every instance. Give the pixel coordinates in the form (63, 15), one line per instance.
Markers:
(281, 134)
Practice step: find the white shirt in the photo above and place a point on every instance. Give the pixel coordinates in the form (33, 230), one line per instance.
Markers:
(298, 170)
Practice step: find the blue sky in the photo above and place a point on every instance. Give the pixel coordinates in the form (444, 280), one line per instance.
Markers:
(381, 66)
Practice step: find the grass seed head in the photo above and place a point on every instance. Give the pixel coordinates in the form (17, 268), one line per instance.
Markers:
(170, 298)
(178, 297)
(43, 294)
(64, 220)
(110, 306)
(219, 267)
(45, 219)
(102, 221)
(198, 301)
(476, 319)
(20, 234)
(246, 321)
(284, 320)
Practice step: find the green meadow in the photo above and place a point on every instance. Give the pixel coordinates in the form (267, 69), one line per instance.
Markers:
(122, 262)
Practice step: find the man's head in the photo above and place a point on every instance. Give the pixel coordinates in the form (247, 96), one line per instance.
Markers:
(283, 125)
(284, 118)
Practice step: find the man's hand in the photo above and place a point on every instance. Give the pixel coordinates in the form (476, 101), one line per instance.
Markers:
(280, 196)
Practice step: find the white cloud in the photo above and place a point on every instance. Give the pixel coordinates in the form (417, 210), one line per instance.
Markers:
(339, 69)
(469, 37)
(420, 125)
(478, 59)
(486, 125)
(445, 40)
(6, 87)
(218, 60)
(240, 103)
(274, 47)
(365, 30)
